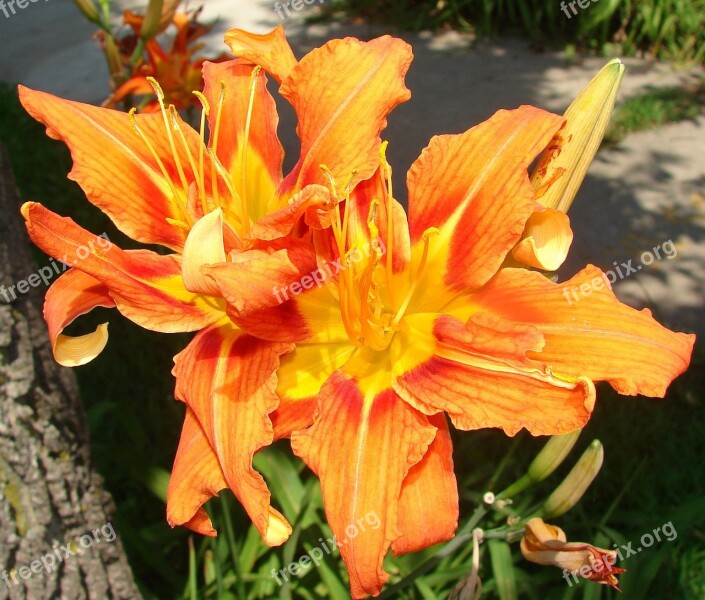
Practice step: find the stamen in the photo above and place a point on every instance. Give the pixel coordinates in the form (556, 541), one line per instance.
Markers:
(387, 173)
(416, 277)
(331, 179)
(228, 182)
(138, 130)
(216, 129)
(371, 217)
(160, 97)
(175, 124)
(246, 142)
(179, 224)
(348, 184)
(206, 110)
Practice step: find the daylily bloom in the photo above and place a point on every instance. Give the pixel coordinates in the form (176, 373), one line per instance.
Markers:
(223, 208)
(177, 68)
(546, 544)
(416, 319)
(561, 169)
(433, 323)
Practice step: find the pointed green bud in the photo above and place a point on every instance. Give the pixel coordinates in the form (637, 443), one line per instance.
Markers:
(571, 490)
(547, 460)
(552, 455)
(152, 19)
(562, 166)
(88, 9)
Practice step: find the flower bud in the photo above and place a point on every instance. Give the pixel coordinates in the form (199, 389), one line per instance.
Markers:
(561, 169)
(552, 455)
(562, 166)
(88, 9)
(547, 460)
(546, 544)
(571, 490)
(152, 19)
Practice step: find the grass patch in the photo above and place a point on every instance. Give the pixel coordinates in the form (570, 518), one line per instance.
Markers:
(672, 29)
(655, 108)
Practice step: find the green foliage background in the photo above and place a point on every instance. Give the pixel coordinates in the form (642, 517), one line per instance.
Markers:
(665, 28)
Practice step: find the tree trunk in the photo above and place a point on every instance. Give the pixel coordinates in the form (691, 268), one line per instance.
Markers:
(56, 538)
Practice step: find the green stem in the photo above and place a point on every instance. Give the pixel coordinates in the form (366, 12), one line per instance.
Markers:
(504, 462)
(193, 587)
(462, 537)
(518, 486)
(137, 54)
(230, 534)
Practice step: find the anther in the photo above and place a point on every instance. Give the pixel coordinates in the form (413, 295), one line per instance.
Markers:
(157, 88)
(204, 102)
(219, 112)
(331, 180)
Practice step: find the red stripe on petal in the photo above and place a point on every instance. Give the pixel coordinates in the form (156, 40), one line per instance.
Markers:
(475, 188)
(228, 380)
(362, 450)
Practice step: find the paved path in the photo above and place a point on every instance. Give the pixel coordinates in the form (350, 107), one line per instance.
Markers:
(641, 194)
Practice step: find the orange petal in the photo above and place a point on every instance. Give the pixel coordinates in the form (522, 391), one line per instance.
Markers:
(342, 94)
(362, 448)
(293, 415)
(270, 50)
(74, 294)
(146, 287)
(251, 281)
(135, 85)
(253, 157)
(481, 377)
(546, 240)
(428, 504)
(228, 380)
(115, 167)
(195, 479)
(309, 201)
(588, 332)
(475, 188)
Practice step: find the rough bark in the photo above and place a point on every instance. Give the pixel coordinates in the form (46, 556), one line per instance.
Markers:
(50, 494)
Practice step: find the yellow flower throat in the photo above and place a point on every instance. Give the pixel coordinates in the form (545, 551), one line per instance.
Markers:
(373, 298)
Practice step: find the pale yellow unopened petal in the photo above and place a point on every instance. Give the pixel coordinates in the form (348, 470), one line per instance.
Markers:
(562, 166)
(76, 351)
(204, 246)
(278, 529)
(546, 240)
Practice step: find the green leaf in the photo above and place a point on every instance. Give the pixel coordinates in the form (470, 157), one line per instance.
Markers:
(503, 568)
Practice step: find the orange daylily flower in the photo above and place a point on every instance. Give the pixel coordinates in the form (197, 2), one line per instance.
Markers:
(421, 318)
(226, 212)
(546, 544)
(416, 317)
(177, 68)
